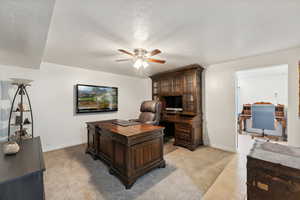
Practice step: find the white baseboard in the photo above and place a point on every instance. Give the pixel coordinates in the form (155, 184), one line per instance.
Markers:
(62, 146)
(223, 147)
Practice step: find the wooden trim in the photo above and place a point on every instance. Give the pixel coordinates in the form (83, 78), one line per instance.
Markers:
(299, 88)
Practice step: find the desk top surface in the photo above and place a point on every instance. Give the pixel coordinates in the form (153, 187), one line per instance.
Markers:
(276, 153)
(127, 131)
(27, 161)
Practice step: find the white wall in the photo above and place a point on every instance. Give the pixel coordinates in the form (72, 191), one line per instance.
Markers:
(268, 84)
(52, 95)
(55, 121)
(220, 99)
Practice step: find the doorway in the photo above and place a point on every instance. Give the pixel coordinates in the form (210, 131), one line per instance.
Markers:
(265, 86)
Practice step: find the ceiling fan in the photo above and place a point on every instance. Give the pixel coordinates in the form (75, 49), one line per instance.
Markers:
(141, 57)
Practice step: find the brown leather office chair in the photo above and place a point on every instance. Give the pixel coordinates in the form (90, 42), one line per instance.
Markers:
(150, 112)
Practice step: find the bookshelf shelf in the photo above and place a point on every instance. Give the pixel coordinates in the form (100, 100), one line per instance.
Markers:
(18, 109)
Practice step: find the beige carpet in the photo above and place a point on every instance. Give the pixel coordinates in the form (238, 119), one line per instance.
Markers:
(72, 174)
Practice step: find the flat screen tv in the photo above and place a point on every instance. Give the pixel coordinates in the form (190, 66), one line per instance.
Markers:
(91, 98)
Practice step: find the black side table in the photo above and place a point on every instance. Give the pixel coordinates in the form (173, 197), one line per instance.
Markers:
(21, 175)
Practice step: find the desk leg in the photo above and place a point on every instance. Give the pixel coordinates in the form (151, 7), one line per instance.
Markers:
(283, 125)
(240, 122)
(245, 124)
(284, 133)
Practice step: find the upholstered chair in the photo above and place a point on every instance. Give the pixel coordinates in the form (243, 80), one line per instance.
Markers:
(150, 112)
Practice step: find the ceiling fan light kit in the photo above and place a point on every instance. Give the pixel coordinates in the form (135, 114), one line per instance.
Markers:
(145, 64)
(138, 63)
(141, 57)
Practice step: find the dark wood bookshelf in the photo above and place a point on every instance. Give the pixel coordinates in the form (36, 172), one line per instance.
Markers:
(185, 82)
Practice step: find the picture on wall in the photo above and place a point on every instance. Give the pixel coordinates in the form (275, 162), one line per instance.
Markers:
(91, 98)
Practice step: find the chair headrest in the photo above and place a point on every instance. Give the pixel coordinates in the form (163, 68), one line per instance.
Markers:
(149, 106)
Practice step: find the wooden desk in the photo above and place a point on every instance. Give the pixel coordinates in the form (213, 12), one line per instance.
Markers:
(242, 121)
(21, 175)
(273, 172)
(279, 116)
(188, 130)
(130, 151)
(185, 82)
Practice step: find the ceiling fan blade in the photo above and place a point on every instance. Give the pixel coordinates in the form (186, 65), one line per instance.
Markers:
(126, 52)
(156, 61)
(155, 52)
(121, 60)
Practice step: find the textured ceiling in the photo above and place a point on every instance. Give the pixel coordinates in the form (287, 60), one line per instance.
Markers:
(87, 34)
(24, 27)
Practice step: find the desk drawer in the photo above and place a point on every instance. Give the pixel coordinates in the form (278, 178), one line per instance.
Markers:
(183, 127)
(180, 135)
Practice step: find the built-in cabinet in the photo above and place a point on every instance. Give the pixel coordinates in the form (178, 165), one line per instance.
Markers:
(185, 82)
